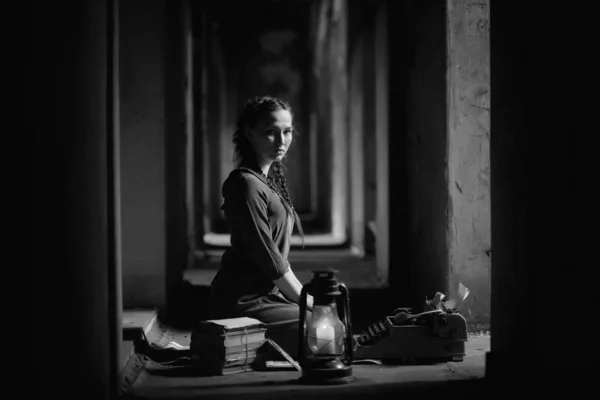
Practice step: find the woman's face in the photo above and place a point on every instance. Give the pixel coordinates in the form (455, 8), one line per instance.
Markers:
(271, 137)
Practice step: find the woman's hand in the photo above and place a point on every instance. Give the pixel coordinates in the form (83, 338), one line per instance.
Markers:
(291, 287)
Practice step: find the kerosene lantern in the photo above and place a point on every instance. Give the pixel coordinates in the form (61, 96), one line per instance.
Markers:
(325, 349)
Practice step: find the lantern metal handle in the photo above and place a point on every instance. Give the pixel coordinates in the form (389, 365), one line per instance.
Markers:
(347, 323)
(303, 298)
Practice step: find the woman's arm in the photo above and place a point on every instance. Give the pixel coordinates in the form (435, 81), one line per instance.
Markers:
(291, 287)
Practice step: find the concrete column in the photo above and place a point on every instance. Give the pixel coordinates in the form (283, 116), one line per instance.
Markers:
(542, 260)
(418, 148)
(176, 81)
(512, 224)
(67, 128)
(439, 153)
(178, 127)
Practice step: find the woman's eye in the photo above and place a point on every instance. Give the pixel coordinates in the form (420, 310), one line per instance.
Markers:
(286, 132)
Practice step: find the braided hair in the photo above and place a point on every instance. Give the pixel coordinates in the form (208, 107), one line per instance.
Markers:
(244, 154)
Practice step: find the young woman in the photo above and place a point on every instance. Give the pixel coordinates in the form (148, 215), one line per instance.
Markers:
(255, 278)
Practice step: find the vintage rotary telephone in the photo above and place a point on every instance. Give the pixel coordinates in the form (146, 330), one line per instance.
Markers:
(436, 334)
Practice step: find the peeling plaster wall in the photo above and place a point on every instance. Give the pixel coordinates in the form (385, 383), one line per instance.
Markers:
(469, 230)
(152, 153)
(143, 190)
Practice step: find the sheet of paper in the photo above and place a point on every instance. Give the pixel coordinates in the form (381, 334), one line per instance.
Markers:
(176, 346)
(233, 323)
(463, 292)
(461, 295)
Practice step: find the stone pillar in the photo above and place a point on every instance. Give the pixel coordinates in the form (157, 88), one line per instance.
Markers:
(439, 155)
(176, 123)
(68, 127)
(541, 276)
(418, 149)
(512, 321)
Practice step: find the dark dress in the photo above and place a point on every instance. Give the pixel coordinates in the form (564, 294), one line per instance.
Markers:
(260, 224)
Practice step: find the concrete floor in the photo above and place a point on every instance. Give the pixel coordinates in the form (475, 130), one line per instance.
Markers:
(368, 305)
(156, 382)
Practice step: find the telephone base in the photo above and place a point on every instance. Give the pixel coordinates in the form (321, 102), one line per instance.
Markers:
(432, 338)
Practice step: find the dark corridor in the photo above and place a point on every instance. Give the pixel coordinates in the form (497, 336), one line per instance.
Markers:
(104, 102)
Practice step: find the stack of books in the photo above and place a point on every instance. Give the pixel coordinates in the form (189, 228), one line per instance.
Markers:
(227, 346)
